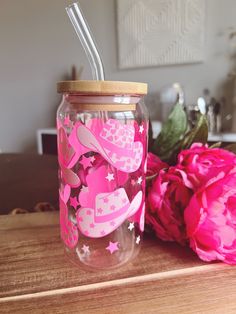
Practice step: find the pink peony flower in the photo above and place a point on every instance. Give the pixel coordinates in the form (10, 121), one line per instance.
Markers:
(202, 163)
(154, 164)
(168, 197)
(211, 218)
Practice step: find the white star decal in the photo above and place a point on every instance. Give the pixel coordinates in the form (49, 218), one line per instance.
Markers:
(138, 239)
(92, 159)
(131, 226)
(84, 189)
(110, 177)
(140, 180)
(141, 129)
(85, 249)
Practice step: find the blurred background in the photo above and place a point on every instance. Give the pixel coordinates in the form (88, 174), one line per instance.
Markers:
(39, 47)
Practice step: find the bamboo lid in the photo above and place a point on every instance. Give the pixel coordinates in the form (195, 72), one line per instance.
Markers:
(102, 87)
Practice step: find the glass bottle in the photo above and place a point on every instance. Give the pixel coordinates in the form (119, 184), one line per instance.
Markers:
(102, 148)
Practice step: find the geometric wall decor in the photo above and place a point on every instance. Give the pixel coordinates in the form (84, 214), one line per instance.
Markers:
(160, 32)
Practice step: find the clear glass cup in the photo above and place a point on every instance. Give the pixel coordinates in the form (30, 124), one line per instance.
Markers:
(102, 149)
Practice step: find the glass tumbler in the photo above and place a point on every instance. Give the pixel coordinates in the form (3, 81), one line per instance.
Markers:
(102, 148)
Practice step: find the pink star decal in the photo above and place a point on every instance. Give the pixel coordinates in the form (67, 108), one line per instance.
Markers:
(92, 225)
(86, 162)
(112, 247)
(74, 202)
(103, 232)
(133, 182)
(106, 200)
(80, 219)
(100, 210)
(88, 212)
(112, 223)
(112, 207)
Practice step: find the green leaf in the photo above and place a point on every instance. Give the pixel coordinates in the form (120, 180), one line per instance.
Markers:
(173, 130)
(198, 134)
(231, 148)
(216, 145)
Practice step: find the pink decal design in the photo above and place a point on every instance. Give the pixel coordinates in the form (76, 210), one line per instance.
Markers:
(141, 131)
(145, 166)
(97, 161)
(101, 216)
(70, 177)
(65, 154)
(65, 193)
(86, 162)
(142, 218)
(59, 124)
(139, 216)
(65, 150)
(74, 202)
(95, 125)
(92, 159)
(115, 142)
(112, 247)
(67, 121)
(97, 183)
(69, 232)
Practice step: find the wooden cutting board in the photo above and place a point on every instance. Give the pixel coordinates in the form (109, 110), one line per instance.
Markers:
(35, 277)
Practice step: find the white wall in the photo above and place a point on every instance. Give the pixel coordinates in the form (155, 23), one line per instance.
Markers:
(38, 47)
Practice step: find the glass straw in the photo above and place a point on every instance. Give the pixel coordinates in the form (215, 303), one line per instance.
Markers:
(82, 30)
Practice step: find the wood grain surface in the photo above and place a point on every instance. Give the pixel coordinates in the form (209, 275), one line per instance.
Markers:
(35, 277)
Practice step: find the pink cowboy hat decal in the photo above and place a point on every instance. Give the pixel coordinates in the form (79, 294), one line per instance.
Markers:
(115, 142)
(111, 210)
(98, 183)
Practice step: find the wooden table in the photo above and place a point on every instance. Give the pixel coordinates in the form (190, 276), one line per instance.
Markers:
(36, 278)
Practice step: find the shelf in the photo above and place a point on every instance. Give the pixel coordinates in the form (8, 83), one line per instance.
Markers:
(224, 137)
